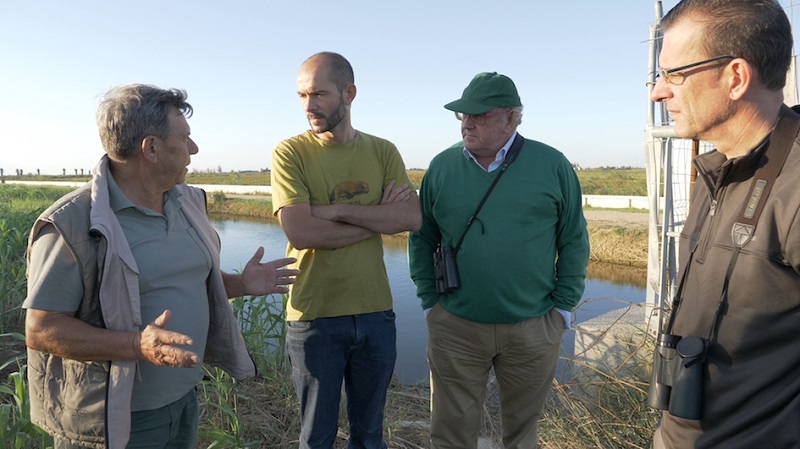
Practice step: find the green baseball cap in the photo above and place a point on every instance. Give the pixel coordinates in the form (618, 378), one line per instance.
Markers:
(485, 92)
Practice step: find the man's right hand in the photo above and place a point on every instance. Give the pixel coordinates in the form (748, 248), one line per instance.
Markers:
(156, 345)
(392, 194)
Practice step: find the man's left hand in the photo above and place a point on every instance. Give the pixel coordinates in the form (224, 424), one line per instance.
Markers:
(259, 279)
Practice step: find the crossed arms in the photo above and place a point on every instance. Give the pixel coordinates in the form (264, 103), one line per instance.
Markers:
(338, 225)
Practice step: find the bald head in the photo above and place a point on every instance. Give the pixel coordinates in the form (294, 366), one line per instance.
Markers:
(339, 70)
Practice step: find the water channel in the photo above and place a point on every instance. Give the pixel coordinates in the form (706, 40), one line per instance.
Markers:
(607, 287)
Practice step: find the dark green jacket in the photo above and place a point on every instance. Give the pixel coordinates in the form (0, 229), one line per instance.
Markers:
(529, 248)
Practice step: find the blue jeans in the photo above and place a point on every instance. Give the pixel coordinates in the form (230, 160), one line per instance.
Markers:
(357, 349)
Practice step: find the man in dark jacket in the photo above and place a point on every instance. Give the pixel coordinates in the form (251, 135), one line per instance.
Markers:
(723, 65)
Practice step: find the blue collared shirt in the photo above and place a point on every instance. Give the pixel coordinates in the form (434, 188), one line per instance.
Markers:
(499, 158)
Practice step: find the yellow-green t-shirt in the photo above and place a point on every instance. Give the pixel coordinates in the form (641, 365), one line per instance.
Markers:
(305, 169)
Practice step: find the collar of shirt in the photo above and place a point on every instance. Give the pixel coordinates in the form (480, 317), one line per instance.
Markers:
(499, 158)
(118, 200)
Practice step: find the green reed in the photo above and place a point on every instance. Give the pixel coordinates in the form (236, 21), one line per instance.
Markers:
(262, 320)
(226, 402)
(16, 429)
(19, 207)
(220, 399)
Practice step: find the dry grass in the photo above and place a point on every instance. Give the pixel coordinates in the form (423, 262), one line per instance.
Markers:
(600, 403)
(269, 416)
(621, 244)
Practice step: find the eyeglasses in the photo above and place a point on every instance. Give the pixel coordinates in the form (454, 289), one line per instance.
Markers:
(478, 119)
(676, 75)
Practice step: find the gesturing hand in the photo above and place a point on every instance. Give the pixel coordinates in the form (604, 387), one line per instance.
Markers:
(266, 278)
(156, 345)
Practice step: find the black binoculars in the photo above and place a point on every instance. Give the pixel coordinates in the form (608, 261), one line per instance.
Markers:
(445, 269)
(677, 382)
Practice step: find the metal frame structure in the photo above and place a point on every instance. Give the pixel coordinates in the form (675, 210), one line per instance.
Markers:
(661, 254)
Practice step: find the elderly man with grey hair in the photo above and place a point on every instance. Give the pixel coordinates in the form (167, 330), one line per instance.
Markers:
(499, 264)
(126, 298)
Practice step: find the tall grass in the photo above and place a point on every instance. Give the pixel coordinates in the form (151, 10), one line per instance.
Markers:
(16, 429)
(598, 406)
(260, 412)
(19, 207)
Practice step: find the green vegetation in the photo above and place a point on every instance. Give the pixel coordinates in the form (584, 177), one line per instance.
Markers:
(597, 406)
(598, 181)
(594, 181)
(230, 179)
(19, 207)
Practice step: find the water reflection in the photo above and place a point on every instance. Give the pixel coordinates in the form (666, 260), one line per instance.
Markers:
(607, 287)
(617, 274)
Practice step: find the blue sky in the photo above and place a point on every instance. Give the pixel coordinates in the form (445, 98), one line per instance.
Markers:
(580, 68)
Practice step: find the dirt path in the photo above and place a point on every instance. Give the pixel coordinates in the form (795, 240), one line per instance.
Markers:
(613, 216)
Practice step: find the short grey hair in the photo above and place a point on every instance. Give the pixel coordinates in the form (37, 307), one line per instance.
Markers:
(129, 113)
(517, 114)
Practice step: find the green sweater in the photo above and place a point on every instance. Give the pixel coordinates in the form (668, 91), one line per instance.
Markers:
(526, 252)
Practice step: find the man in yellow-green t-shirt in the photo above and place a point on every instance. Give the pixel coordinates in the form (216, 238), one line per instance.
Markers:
(335, 190)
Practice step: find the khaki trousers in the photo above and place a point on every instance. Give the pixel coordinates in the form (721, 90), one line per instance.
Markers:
(658, 440)
(461, 353)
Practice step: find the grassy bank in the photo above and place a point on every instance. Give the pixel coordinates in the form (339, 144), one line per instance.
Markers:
(594, 181)
(594, 407)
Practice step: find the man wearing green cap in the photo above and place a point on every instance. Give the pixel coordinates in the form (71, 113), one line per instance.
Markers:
(520, 260)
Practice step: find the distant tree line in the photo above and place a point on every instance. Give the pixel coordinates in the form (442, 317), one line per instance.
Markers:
(20, 172)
